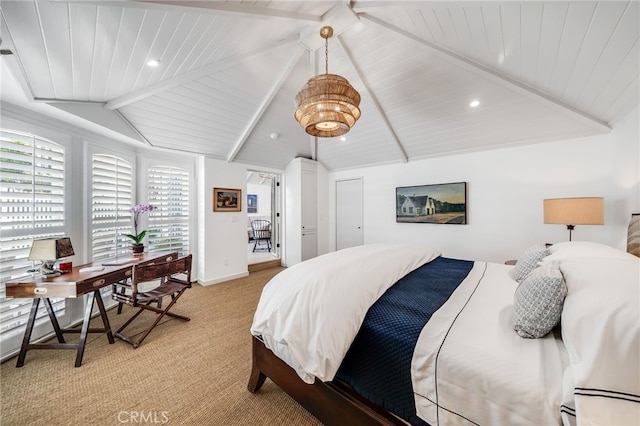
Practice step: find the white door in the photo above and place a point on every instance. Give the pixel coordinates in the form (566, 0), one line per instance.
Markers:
(349, 208)
(309, 245)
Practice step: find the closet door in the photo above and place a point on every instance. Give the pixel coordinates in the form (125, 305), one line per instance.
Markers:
(301, 204)
(349, 213)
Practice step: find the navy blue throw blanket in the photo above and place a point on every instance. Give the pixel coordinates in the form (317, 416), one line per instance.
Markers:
(378, 363)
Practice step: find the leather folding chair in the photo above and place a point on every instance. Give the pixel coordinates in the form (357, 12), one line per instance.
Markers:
(174, 278)
(124, 286)
(261, 232)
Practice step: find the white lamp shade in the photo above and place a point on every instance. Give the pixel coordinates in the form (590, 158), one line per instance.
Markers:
(43, 250)
(51, 249)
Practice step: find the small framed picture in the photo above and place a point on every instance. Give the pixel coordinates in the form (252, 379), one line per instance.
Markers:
(227, 200)
(252, 203)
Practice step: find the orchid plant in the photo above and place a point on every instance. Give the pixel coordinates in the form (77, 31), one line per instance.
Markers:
(137, 237)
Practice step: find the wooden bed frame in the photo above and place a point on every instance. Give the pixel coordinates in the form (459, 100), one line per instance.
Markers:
(330, 402)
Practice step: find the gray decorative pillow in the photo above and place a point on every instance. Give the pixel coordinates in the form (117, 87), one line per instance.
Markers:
(538, 301)
(528, 262)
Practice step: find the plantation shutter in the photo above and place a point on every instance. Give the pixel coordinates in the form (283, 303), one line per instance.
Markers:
(111, 199)
(168, 191)
(31, 207)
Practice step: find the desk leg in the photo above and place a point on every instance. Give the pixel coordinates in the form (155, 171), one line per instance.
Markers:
(54, 320)
(92, 297)
(105, 318)
(27, 332)
(85, 327)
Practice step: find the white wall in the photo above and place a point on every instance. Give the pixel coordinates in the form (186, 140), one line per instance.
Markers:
(222, 248)
(505, 189)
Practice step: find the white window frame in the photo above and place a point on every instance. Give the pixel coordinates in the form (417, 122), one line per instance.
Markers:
(19, 309)
(122, 172)
(150, 159)
(169, 225)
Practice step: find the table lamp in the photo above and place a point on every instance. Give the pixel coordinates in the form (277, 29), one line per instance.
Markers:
(49, 250)
(574, 211)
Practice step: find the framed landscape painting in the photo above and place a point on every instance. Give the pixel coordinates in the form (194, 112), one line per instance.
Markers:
(438, 203)
(227, 200)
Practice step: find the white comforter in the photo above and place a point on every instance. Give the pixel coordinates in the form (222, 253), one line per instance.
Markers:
(302, 321)
(470, 367)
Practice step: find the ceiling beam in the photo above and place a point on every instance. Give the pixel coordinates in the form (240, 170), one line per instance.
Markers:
(217, 8)
(376, 4)
(486, 72)
(134, 128)
(138, 95)
(95, 113)
(340, 17)
(223, 8)
(376, 104)
(266, 102)
(13, 60)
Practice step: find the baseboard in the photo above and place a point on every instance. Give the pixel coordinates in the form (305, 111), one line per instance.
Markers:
(223, 279)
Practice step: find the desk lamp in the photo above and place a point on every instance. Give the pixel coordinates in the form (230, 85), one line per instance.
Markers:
(574, 211)
(49, 250)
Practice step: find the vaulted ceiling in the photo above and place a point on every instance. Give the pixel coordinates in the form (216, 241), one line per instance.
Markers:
(229, 72)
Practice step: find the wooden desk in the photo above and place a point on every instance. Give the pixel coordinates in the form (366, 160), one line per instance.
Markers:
(71, 285)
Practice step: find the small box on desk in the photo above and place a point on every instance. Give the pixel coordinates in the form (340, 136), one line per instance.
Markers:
(65, 267)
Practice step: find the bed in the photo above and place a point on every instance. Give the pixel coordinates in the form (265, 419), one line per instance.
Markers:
(399, 334)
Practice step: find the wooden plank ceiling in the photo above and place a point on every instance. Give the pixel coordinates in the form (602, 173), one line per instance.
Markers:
(229, 71)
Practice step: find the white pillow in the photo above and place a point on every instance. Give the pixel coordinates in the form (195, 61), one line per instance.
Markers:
(584, 249)
(601, 331)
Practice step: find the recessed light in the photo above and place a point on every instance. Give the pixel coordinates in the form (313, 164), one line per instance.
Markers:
(153, 63)
(344, 138)
(274, 135)
(474, 103)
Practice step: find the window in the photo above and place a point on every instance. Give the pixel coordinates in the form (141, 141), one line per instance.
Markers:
(32, 189)
(168, 190)
(111, 199)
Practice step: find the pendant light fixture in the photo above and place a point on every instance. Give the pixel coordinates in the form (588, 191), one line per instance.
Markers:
(327, 106)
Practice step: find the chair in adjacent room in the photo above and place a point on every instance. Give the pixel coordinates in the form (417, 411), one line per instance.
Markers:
(261, 233)
(173, 278)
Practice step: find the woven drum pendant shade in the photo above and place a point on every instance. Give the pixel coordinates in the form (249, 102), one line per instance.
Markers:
(327, 106)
